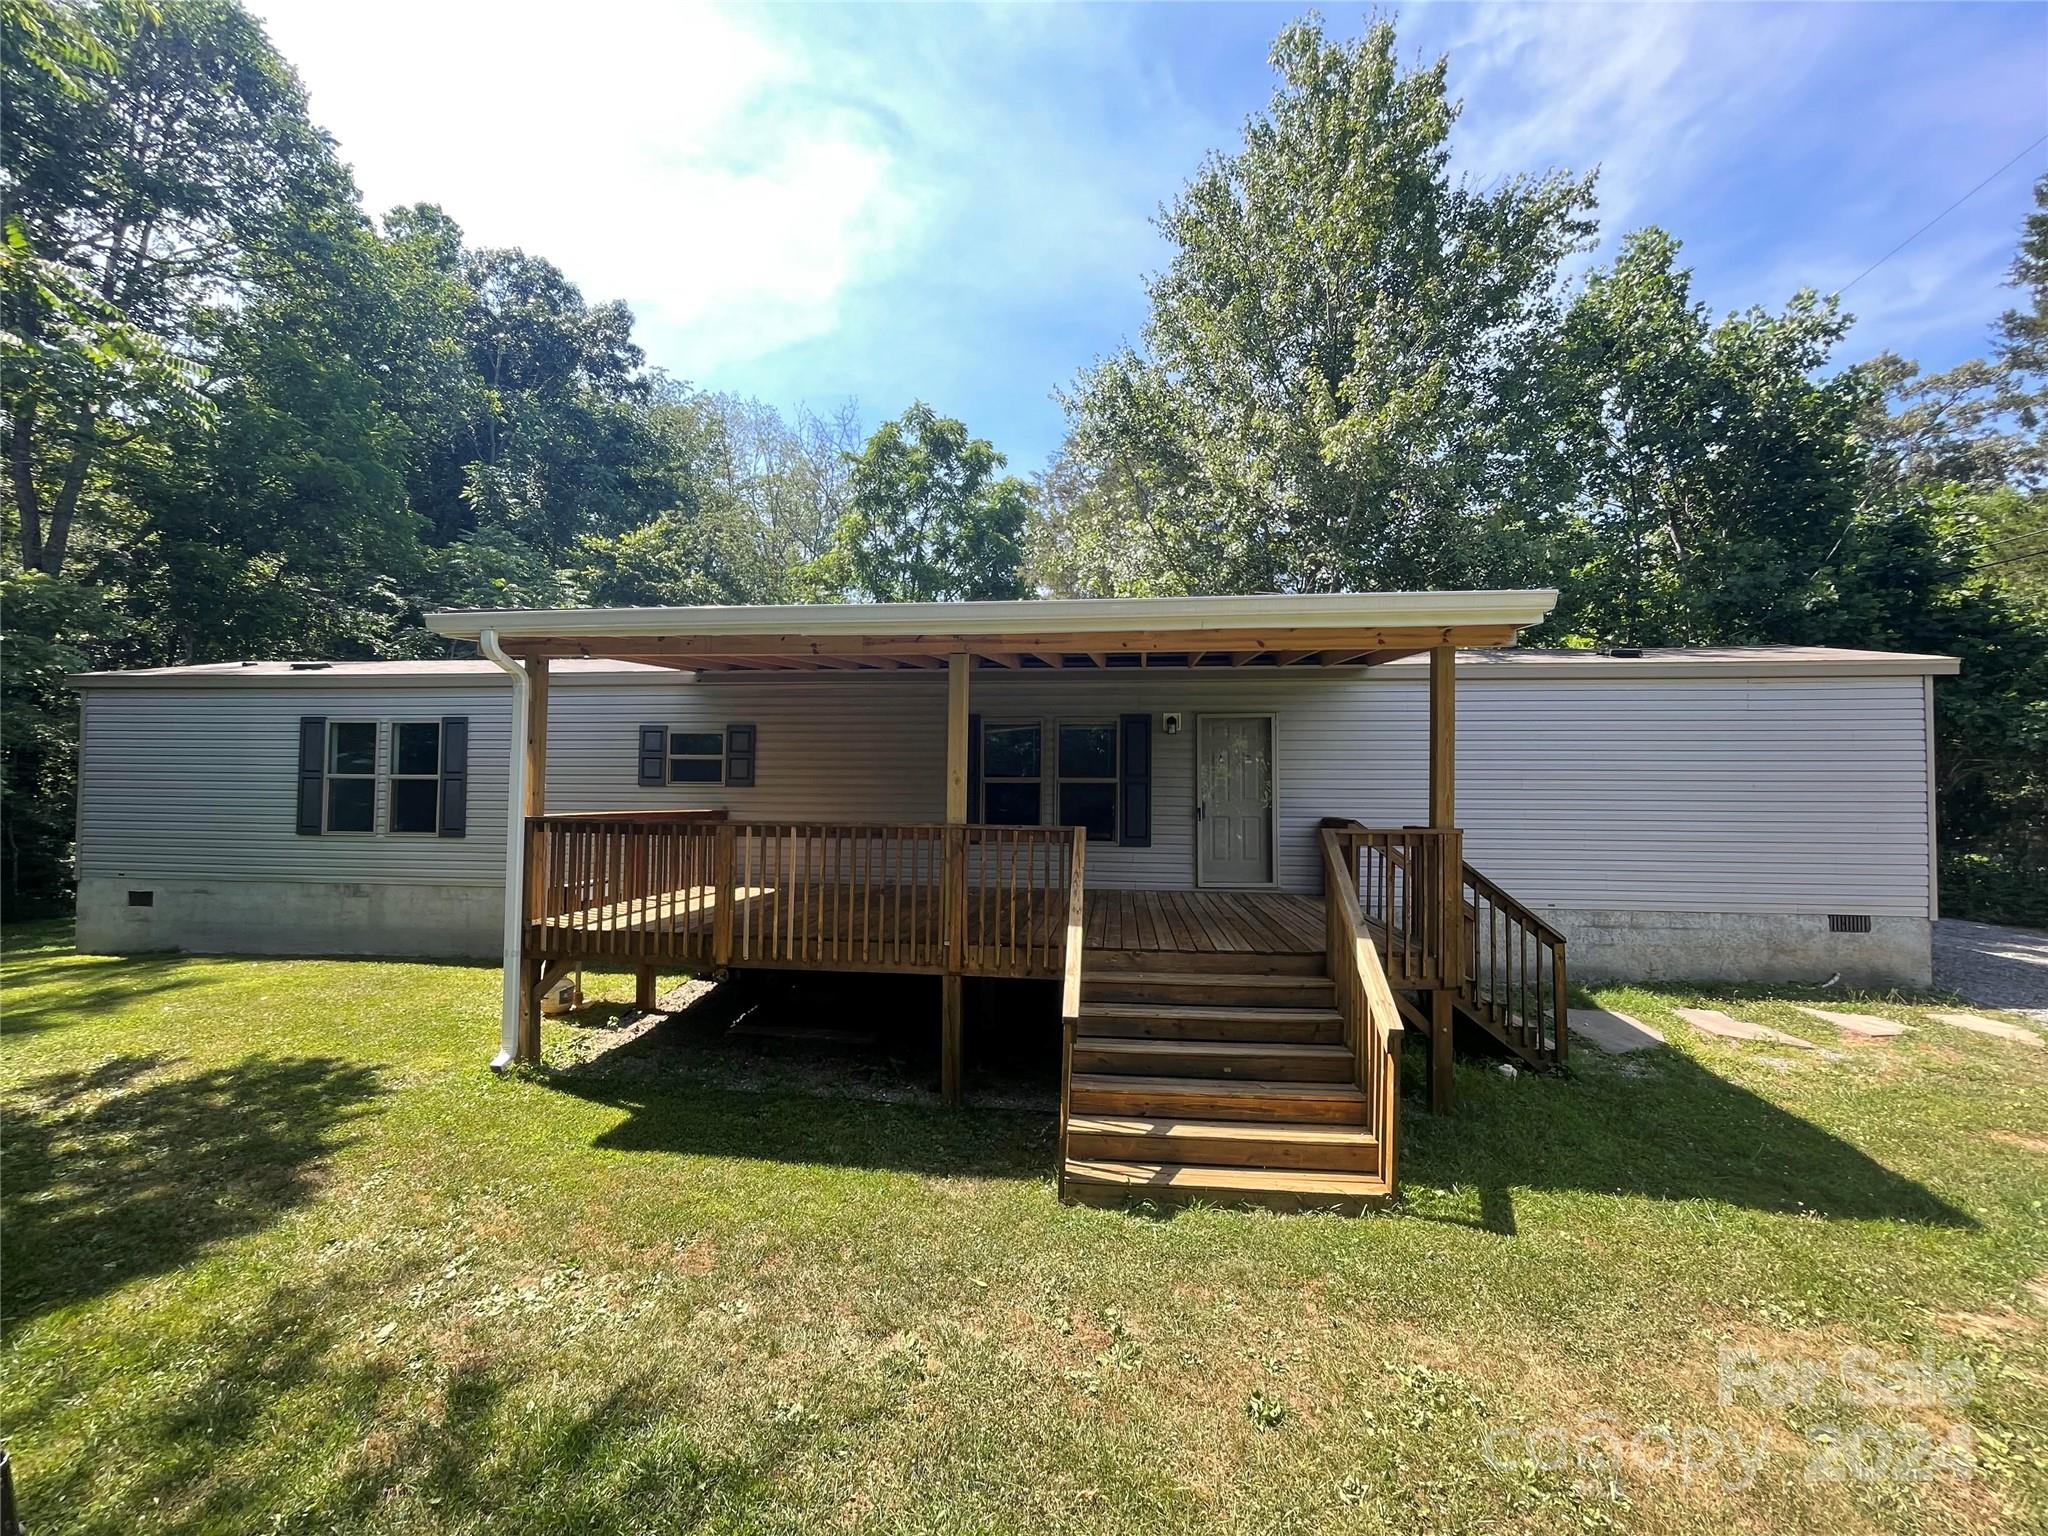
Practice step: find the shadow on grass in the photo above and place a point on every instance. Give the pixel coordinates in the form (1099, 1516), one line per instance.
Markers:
(92, 986)
(1669, 1129)
(1661, 1126)
(684, 1088)
(289, 1419)
(129, 1169)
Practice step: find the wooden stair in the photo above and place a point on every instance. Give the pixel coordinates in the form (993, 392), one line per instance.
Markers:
(1220, 1078)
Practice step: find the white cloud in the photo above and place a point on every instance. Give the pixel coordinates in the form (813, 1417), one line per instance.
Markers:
(676, 157)
(1650, 94)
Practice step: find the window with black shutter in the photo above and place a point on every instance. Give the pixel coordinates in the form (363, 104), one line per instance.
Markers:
(1134, 784)
(654, 755)
(455, 776)
(739, 756)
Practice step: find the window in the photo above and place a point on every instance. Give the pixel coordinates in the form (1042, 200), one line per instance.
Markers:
(1011, 775)
(696, 757)
(351, 788)
(1087, 778)
(416, 777)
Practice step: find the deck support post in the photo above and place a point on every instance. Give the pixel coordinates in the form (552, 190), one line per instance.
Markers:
(723, 892)
(950, 1006)
(1450, 914)
(1440, 1087)
(537, 736)
(644, 988)
(1443, 736)
(957, 672)
(953, 903)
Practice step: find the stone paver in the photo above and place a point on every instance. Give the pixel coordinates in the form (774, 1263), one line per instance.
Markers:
(1715, 1022)
(1869, 1026)
(1999, 1029)
(1993, 967)
(1614, 1033)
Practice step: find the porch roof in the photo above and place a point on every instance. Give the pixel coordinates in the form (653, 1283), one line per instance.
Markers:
(1267, 629)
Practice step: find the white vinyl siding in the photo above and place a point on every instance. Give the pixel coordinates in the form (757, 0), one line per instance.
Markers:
(1710, 794)
(185, 782)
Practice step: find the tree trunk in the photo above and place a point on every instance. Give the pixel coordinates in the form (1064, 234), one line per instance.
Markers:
(59, 536)
(22, 472)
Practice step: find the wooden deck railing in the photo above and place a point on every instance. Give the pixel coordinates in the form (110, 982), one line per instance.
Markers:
(1403, 884)
(1440, 923)
(1514, 969)
(1365, 1000)
(697, 888)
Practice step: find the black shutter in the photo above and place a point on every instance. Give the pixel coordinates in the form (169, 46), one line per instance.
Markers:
(974, 768)
(739, 756)
(1134, 781)
(455, 775)
(654, 755)
(312, 772)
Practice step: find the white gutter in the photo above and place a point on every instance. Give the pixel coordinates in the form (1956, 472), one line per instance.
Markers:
(515, 850)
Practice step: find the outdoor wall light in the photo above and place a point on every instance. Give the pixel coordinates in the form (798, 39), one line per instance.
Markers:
(1170, 724)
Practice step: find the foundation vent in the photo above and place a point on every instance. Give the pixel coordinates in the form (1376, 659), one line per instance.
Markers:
(142, 898)
(1848, 922)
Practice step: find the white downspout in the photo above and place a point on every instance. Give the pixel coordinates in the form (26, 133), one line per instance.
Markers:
(515, 849)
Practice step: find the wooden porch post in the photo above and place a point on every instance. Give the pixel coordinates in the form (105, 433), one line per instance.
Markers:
(536, 805)
(1443, 815)
(958, 669)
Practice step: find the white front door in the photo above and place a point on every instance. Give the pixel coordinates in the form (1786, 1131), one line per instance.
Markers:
(1234, 800)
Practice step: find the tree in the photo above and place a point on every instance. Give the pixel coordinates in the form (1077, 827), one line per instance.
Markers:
(1341, 381)
(1716, 473)
(1984, 422)
(139, 177)
(928, 518)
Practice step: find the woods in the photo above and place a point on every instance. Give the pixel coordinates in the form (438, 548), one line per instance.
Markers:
(246, 418)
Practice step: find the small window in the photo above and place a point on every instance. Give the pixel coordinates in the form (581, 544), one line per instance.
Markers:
(351, 796)
(1012, 775)
(696, 757)
(1087, 778)
(416, 777)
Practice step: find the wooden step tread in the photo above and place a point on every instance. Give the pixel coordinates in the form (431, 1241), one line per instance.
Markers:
(1098, 958)
(1184, 1180)
(1167, 1051)
(1123, 1008)
(1126, 1084)
(1168, 1130)
(1251, 980)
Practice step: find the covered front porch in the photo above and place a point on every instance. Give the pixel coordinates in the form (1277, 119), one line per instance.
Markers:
(1400, 934)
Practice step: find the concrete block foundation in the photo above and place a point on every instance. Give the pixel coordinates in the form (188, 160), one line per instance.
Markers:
(1743, 946)
(120, 915)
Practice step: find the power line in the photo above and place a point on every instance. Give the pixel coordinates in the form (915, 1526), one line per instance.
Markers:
(1951, 208)
(2024, 555)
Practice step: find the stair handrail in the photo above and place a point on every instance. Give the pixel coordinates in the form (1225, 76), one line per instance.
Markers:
(1372, 1021)
(1070, 989)
(1530, 981)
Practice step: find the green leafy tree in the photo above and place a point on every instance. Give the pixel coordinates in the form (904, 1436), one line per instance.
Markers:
(139, 176)
(1717, 474)
(928, 517)
(1342, 378)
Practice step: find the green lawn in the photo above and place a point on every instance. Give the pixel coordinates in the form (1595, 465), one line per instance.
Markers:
(282, 1256)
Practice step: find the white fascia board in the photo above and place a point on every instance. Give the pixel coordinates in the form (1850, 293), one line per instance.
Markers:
(1088, 615)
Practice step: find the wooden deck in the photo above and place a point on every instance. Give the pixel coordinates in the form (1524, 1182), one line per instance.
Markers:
(1205, 922)
(895, 925)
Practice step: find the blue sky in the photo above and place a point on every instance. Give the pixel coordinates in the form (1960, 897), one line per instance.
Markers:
(810, 203)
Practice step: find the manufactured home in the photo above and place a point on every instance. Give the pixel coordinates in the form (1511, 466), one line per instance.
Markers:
(1252, 841)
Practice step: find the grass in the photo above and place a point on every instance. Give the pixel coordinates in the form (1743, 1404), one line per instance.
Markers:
(281, 1256)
